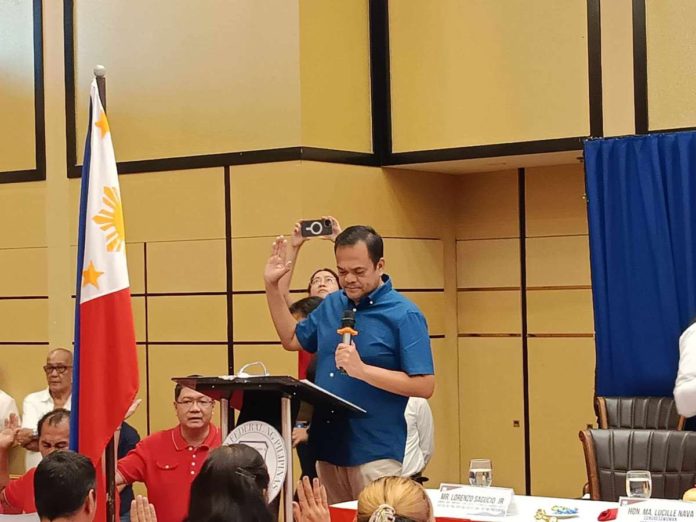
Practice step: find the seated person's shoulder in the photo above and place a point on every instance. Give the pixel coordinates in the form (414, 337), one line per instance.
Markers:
(36, 396)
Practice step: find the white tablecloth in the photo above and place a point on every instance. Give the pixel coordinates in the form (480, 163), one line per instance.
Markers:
(522, 509)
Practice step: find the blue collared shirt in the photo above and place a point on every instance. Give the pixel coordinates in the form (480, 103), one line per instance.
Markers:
(392, 334)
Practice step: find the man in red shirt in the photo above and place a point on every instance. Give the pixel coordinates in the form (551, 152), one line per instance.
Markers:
(169, 460)
(17, 496)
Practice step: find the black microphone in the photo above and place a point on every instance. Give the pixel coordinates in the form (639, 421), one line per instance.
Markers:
(347, 329)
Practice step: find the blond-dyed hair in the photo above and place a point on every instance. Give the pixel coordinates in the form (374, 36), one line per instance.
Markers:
(398, 497)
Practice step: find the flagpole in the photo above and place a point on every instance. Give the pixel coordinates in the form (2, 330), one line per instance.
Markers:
(110, 450)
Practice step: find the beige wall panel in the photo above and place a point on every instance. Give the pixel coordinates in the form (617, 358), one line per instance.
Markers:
(397, 203)
(138, 306)
(22, 215)
(235, 84)
(249, 255)
(276, 360)
(671, 44)
(252, 321)
(411, 263)
(17, 81)
(408, 204)
(555, 204)
(414, 263)
(24, 320)
(444, 466)
(335, 75)
(176, 361)
(139, 419)
(488, 263)
(469, 73)
(560, 312)
(266, 199)
(487, 205)
(170, 206)
(617, 67)
(432, 304)
(24, 272)
(489, 407)
(186, 266)
(558, 261)
(561, 388)
(21, 374)
(188, 318)
(136, 267)
(489, 312)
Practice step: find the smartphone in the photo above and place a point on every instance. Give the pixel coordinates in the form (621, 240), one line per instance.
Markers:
(316, 227)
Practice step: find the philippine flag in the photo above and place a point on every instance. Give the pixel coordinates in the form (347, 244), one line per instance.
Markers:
(105, 368)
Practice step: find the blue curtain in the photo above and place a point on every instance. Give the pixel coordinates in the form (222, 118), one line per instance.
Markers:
(642, 219)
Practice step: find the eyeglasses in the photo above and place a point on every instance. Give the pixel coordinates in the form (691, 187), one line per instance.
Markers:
(187, 404)
(59, 369)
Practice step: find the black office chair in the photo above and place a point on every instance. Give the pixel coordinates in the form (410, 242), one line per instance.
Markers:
(645, 413)
(669, 455)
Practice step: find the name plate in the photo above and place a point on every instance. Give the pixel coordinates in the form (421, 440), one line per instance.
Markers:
(474, 500)
(655, 510)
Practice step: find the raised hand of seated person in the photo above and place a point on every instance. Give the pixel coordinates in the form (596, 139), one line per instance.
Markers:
(142, 511)
(313, 505)
(8, 435)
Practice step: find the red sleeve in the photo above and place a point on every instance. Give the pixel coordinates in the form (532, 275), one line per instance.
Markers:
(303, 360)
(19, 493)
(132, 467)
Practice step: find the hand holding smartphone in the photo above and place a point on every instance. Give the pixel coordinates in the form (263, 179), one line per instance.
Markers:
(316, 227)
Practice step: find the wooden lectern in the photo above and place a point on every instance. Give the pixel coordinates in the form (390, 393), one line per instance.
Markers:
(286, 388)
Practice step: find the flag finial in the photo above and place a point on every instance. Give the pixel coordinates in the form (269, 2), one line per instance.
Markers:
(100, 71)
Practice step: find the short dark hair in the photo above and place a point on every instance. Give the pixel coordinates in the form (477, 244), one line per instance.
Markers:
(179, 387)
(231, 486)
(352, 235)
(53, 418)
(309, 285)
(62, 482)
(305, 306)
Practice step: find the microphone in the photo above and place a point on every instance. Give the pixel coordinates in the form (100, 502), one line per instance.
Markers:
(347, 329)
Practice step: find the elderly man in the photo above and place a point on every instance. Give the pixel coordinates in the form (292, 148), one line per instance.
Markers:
(389, 361)
(65, 488)
(169, 460)
(58, 370)
(54, 435)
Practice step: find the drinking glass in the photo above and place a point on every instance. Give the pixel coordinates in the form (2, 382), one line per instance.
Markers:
(480, 472)
(638, 484)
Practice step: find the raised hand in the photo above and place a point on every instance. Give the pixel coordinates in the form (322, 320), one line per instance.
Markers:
(9, 432)
(277, 265)
(313, 505)
(297, 239)
(142, 511)
(335, 228)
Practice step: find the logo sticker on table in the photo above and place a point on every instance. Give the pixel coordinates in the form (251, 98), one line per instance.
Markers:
(265, 439)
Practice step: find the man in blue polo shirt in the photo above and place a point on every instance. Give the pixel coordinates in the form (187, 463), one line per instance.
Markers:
(389, 361)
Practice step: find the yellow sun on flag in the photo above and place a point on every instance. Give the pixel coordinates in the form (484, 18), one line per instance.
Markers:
(110, 219)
